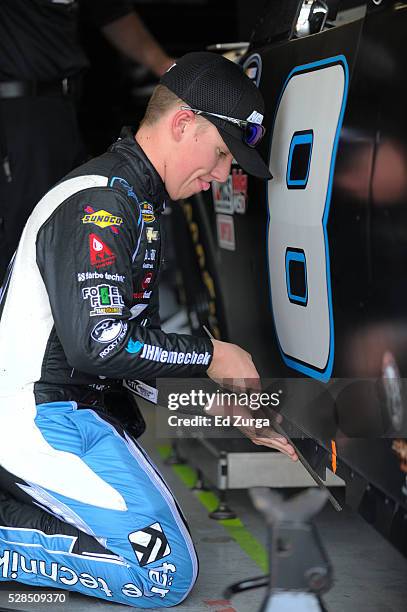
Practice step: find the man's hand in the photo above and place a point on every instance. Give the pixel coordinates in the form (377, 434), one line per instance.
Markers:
(233, 366)
(268, 437)
(232, 363)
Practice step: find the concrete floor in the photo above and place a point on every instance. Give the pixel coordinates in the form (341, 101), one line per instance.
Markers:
(369, 575)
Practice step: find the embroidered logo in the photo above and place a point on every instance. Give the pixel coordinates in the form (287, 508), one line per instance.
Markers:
(100, 254)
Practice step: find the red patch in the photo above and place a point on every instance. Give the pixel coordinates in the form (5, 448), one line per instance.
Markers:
(147, 280)
(100, 254)
(139, 296)
(226, 232)
(239, 181)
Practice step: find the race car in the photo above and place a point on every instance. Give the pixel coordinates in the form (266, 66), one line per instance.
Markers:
(305, 271)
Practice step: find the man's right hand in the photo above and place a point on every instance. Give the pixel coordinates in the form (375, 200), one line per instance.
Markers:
(232, 363)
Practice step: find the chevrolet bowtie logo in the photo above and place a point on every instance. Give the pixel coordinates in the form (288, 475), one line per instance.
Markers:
(151, 234)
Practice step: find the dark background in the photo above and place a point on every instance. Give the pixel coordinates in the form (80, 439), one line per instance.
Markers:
(115, 90)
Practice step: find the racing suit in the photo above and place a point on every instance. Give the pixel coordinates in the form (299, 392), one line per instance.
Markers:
(83, 507)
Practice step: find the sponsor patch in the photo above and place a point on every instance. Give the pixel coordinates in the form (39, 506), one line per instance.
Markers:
(150, 254)
(102, 218)
(142, 389)
(84, 276)
(107, 330)
(104, 299)
(151, 234)
(147, 212)
(156, 353)
(100, 254)
(119, 339)
(149, 544)
(146, 282)
(142, 295)
(134, 346)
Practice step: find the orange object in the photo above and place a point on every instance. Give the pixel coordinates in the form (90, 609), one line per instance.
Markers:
(333, 446)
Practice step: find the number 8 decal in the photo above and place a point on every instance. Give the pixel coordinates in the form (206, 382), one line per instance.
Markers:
(302, 159)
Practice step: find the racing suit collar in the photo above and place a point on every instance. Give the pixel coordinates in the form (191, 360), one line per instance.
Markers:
(143, 168)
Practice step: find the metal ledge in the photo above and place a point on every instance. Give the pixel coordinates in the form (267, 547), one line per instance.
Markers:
(235, 469)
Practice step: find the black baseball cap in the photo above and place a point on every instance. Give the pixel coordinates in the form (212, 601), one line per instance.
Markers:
(213, 84)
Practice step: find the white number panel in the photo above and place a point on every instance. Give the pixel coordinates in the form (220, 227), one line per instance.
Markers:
(302, 159)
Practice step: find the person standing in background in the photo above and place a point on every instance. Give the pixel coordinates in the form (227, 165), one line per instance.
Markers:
(41, 65)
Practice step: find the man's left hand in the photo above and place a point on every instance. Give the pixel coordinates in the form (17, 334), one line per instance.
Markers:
(268, 437)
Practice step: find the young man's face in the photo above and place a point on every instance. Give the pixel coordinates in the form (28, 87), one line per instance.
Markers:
(199, 158)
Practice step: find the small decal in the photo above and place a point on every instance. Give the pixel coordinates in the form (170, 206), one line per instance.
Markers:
(100, 254)
(239, 189)
(84, 276)
(147, 280)
(101, 218)
(151, 234)
(231, 196)
(142, 389)
(255, 117)
(150, 254)
(142, 295)
(134, 346)
(147, 212)
(107, 330)
(115, 343)
(226, 232)
(223, 196)
(157, 353)
(104, 299)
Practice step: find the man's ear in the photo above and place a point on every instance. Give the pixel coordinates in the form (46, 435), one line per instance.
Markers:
(181, 122)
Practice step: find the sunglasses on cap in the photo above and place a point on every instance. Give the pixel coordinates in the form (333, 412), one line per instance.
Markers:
(252, 133)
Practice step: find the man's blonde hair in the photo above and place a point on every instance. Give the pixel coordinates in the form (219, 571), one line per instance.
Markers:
(162, 101)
